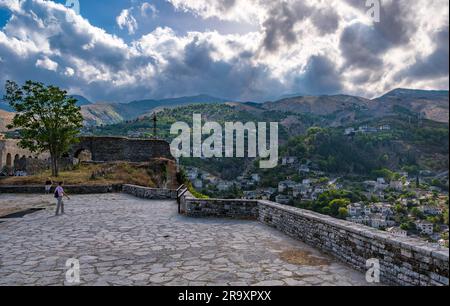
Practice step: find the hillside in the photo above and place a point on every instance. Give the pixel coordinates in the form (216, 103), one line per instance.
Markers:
(432, 105)
(81, 101)
(336, 111)
(411, 142)
(339, 108)
(343, 109)
(102, 114)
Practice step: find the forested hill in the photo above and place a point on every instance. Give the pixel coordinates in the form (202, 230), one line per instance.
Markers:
(407, 141)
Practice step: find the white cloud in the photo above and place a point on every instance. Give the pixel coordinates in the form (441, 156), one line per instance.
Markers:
(47, 63)
(252, 11)
(127, 20)
(69, 72)
(282, 55)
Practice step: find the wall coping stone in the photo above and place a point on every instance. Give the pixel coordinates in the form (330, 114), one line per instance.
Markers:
(414, 244)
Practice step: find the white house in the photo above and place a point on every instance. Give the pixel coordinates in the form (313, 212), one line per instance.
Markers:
(283, 186)
(355, 209)
(349, 131)
(306, 182)
(397, 185)
(381, 180)
(250, 195)
(282, 199)
(304, 169)
(381, 184)
(397, 231)
(378, 221)
(431, 210)
(288, 160)
(192, 173)
(256, 177)
(300, 190)
(425, 228)
(224, 186)
(198, 184)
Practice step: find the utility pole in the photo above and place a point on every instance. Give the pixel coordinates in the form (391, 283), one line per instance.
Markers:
(155, 120)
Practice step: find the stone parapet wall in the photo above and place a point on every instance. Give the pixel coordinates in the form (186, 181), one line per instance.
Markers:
(403, 261)
(219, 208)
(150, 193)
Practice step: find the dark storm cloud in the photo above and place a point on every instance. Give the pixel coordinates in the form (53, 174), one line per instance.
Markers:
(434, 65)
(283, 17)
(197, 72)
(326, 21)
(279, 27)
(320, 77)
(226, 5)
(254, 65)
(363, 45)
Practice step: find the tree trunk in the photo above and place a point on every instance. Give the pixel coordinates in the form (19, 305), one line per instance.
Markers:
(54, 161)
(56, 167)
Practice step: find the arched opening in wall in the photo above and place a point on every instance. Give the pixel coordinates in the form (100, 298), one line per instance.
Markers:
(83, 155)
(8, 160)
(16, 161)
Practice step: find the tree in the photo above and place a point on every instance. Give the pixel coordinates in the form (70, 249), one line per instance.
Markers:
(48, 120)
(343, 213)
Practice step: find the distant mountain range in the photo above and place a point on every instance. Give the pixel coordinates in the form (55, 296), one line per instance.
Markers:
(433, 105)
(102, 114)
(338, 110)
(82, 101)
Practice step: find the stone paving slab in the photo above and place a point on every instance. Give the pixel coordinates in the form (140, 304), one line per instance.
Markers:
(122, 240)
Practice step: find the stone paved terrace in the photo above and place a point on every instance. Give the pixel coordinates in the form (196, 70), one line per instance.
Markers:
(122, 240)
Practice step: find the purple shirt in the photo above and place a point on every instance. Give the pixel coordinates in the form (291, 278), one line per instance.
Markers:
(60, 191)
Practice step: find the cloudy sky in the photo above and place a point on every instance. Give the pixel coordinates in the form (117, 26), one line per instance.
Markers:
(245, 50)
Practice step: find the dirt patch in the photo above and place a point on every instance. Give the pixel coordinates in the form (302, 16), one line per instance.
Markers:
(303, 258)
(158, 173)
(10, 206)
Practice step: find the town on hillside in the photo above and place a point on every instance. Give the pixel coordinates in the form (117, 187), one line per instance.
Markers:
(396, 202)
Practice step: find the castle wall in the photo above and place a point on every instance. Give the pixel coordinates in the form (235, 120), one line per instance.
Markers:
(106, 149)
(10, 147)
(403, 261)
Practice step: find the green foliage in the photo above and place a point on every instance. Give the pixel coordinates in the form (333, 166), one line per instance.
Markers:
(333, 203)
(48, 119)
(416, 213)
(385, 173)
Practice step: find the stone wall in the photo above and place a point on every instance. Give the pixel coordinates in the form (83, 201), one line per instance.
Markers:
(403, 261)
(150, 193)
(106, 149)
(81, 189)
(32, 166)
(11, 153)
(239, 209)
